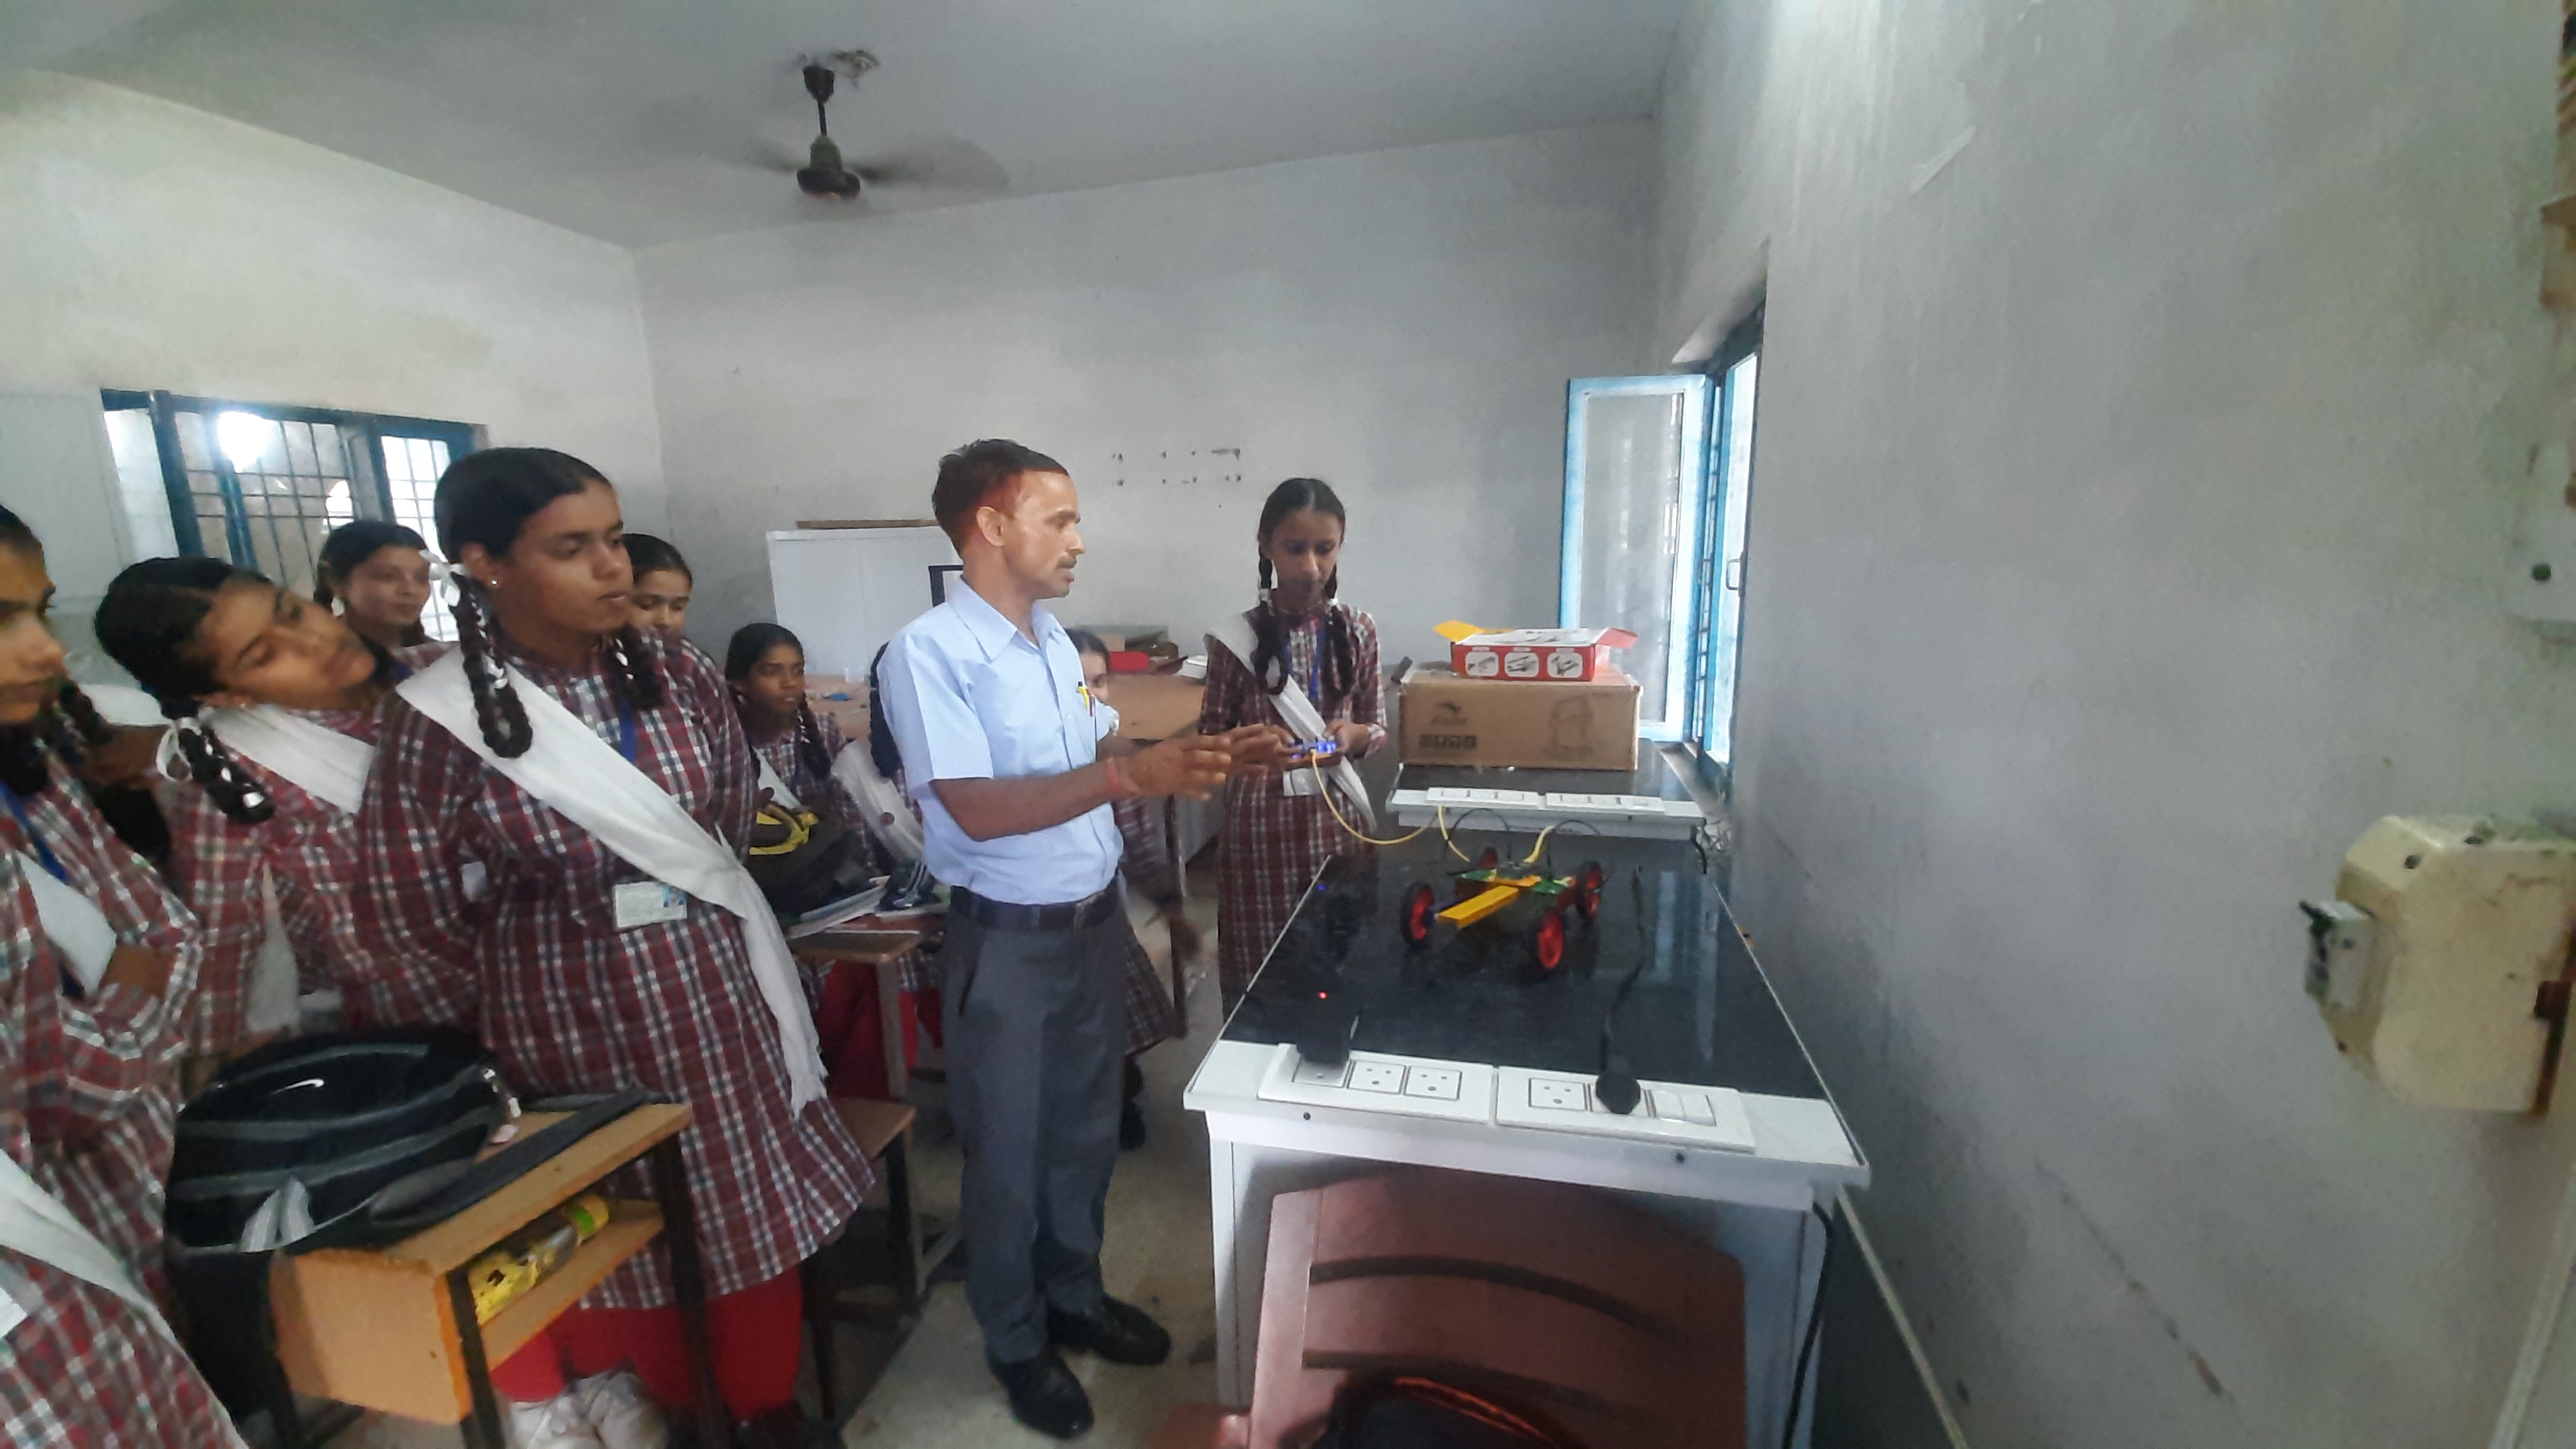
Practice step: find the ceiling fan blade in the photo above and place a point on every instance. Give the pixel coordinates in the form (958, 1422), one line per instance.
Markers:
(950, 163)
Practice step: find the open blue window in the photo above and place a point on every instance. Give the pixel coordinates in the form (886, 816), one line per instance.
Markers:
(1636, 502)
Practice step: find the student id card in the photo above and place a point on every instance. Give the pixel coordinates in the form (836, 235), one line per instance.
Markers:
(649, 903)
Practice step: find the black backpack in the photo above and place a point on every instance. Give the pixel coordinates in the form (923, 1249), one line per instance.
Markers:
(345, 1113)
(802, 860)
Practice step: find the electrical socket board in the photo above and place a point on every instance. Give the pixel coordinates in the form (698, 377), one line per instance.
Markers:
(1673, 1112)
(1377, 1082)
(1677, 1113)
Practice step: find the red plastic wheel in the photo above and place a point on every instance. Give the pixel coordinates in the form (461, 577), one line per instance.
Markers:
(1489, 859)
(1548, 943)
(1587, 889)
(1418, 914)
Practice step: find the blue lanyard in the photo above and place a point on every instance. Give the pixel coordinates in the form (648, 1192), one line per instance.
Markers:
(44, 852)
(625, 729)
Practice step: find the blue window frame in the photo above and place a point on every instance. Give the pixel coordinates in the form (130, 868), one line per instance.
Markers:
(1719, 623)
(261, 485)
(1636, 480)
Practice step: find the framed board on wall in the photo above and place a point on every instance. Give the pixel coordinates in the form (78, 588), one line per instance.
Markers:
(847, 588)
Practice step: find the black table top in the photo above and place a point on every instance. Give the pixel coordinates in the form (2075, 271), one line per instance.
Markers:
(1700, 1012)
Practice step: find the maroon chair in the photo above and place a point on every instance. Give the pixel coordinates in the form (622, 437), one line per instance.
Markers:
(1560, 1302)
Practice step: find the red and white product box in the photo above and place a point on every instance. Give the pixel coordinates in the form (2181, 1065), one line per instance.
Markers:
(1562, 656)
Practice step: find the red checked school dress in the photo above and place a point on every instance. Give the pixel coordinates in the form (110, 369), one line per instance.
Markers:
(310, 850)
(573, 1004)
(89, 1102)
(84, 1367)
(87, 1369)
(1274, 843)
(1151, 1018)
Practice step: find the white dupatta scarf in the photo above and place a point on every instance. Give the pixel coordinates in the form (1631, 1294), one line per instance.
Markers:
(35, 1222)
(585, 780)
(314, 758)
(1299, 713)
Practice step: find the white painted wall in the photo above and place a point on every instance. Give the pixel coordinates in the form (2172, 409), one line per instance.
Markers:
(1400, 323)
(148, 245)
(2132, 495)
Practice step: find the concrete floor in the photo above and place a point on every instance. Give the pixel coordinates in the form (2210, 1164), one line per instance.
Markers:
(936, 1392)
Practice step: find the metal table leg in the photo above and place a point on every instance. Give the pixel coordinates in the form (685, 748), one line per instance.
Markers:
(889, 983)
(689, 1287)
(482, 1428)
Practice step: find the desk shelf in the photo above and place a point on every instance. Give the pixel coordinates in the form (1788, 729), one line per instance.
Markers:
(380, 1328)
(632, 1227)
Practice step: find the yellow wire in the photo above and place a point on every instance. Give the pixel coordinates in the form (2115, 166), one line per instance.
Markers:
(1439, 817)
(1324, 788)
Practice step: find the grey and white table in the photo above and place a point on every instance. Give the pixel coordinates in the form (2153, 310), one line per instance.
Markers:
(1466, 1055)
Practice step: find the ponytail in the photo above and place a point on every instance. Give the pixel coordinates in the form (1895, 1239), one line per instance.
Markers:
(809, 742)
(498, 710)
(634, 668)
(235, 791)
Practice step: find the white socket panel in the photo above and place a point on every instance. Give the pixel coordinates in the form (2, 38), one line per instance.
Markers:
(1377, 1082)
(1675, 1112)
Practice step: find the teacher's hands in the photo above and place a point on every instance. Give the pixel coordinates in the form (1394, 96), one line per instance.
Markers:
(1190, 766)
(1258, 746)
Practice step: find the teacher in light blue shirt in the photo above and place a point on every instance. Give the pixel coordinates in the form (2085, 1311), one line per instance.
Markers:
(1015, 780)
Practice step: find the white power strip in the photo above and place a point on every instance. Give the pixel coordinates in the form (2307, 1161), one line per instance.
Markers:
(1639, 815)
(1376, 1082)
(1453, 797)
(1674, 1112)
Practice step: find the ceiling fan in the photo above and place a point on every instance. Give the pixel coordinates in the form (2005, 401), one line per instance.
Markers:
(953, 163)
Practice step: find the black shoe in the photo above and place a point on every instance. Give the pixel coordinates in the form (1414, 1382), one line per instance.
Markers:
(1044, 1394)
(1120, 1333)
(1131, 1127)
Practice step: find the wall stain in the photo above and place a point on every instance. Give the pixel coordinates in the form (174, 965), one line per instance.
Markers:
(2137, 1289)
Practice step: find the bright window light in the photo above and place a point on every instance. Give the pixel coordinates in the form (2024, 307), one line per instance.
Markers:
(244, 436)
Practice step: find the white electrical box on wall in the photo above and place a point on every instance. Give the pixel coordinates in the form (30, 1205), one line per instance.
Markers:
(2444, 962)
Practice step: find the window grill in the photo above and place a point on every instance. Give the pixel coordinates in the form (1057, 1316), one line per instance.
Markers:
(262, 486)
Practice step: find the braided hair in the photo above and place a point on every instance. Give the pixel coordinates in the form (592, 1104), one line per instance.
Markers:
(1337, 666)
(69, 723)
(149, 622)
(486, 498)
(750, 644)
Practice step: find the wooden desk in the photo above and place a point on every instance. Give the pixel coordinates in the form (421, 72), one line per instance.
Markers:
(873, 944)
(393, 1328)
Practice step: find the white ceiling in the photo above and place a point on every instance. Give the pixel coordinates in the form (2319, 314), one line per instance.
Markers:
(651, 121)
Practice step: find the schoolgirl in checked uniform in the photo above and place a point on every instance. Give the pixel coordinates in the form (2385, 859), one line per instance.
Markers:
(587, 973)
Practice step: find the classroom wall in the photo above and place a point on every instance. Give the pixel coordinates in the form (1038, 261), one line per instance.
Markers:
(149, 245)
(2147, 396)
(1401, 323)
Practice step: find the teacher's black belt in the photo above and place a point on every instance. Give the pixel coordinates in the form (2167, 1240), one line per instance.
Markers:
(995, 915)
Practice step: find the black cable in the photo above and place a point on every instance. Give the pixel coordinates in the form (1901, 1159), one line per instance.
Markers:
(1616, 1085)
(1815, 1322)
(1548, 860)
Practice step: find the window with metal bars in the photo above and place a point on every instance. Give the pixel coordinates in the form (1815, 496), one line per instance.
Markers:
(261, 485)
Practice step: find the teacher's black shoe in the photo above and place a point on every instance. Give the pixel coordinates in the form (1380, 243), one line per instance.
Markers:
(1044, 1394)
(1119, 1332)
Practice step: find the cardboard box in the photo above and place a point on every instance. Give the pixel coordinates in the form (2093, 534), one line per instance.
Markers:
(1154, 706)
(1450, 720)
(1563, 655)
